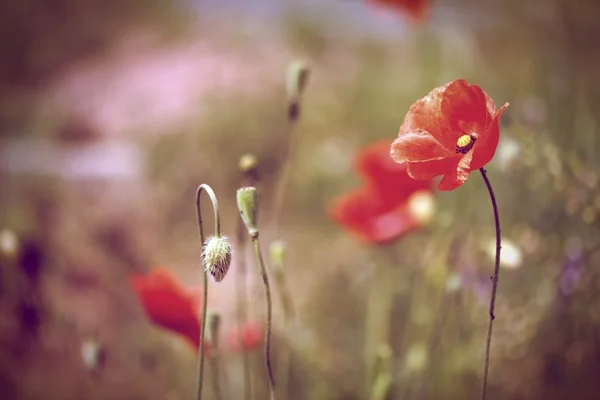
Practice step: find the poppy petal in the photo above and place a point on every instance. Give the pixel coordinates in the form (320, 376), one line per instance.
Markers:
(370, 218)
(458, 176)
(418, 146)
(417, 10)
(376, 167)
(425, 115)
(430, 169)
(163, 278)
(138, 282)
(491, 106)
(465, 106)
(167, 303)
(486, 145)
(391, 225)
(385, 177)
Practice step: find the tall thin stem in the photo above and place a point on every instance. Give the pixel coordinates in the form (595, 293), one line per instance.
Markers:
(214, 358)
(216, 375)
(241, 305)
(215, 204)
(488, 341)
(249, 178)
(278, 203)
(378, 317)
(265, 278)
(288, 314)
(283, 177)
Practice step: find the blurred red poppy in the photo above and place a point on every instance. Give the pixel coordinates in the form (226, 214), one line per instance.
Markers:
(250, 336)
(451, 131)
(380, 211)
(168, 303)
(415, 9)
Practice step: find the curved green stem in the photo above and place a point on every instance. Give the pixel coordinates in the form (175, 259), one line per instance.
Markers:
(215, 203)
(488, 341)
(265, 278)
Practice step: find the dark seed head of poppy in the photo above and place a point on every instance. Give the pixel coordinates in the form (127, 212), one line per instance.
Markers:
(465, 143)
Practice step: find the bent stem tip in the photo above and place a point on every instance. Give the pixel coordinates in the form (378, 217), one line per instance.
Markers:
(215, 204)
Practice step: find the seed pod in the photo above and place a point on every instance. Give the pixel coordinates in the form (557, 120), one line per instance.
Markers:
(247, 201)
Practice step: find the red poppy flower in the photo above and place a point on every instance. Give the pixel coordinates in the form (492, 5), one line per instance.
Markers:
(381, 210)
(451, 131)
(168, 303)
(250, 336)
(415, 9)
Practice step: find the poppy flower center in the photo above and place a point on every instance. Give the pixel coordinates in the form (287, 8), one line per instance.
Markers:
(465, 143)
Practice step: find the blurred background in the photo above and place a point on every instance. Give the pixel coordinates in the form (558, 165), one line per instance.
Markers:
(112, 113)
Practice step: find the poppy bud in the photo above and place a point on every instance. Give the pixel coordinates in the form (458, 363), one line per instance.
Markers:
(9, 245)
(422, 206)
(511, 256)
(248, 164)
(247, 201)
(417, 357)
(216, 257)
(277, 255)
(93, 354)
(214, 324)
(297, 79)
(381, 374)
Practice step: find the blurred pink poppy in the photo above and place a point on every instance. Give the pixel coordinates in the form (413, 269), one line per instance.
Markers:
(417, 10)
(249, 337)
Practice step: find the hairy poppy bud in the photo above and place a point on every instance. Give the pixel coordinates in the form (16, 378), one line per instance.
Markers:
(247, 201)
(216, 257)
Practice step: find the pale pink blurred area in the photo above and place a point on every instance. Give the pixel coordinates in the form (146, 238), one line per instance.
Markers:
(105, 105)
(146, 85)
(105, 160)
